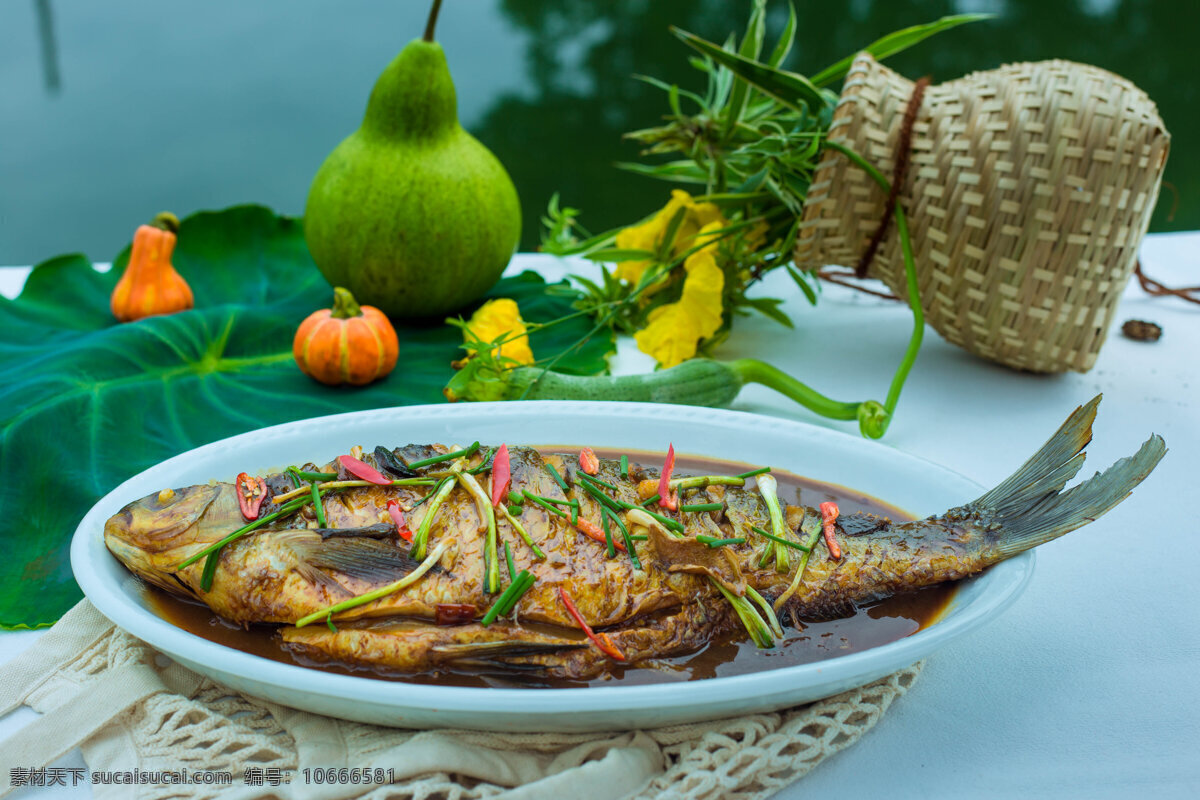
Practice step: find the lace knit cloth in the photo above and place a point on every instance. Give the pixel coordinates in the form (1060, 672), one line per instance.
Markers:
(129, 707)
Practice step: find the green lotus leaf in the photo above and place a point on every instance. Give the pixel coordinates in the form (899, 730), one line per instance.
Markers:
(86, 402)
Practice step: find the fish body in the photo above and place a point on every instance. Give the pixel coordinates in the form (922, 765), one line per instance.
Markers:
(680, 598)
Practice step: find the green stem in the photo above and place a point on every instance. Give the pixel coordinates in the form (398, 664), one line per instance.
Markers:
(751, 370)
(422, 535)
(344, 304)
(431, 23)
(910, 274)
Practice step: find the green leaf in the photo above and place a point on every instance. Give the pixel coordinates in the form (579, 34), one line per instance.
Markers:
(614, 254)
(789, 88)
(804, 285)
(85, 402)
(675, 171)
(751, 47)
(894, 43)
(769, 306)
(786, 39)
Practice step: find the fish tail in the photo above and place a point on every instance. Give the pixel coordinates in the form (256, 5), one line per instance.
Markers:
(1030, 507)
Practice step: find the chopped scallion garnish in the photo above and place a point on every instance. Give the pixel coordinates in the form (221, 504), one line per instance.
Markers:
(703, 507)
(624, 466)
(512, 570)
(318, 506)
(597, 481)
(506, 601)
(774, 538)
(421, 537)
(465, 452)
(557, 477)
(713, 541)
(754, 472)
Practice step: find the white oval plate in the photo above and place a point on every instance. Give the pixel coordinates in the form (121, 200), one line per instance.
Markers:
(902, 480)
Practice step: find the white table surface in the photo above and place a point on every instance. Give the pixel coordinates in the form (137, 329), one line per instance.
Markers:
(1089, 685)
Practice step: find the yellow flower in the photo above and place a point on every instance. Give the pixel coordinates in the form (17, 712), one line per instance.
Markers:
(502, 317)
(649, 234)
(674, 331)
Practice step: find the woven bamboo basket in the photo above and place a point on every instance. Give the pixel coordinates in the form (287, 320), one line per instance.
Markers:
(1029, 190)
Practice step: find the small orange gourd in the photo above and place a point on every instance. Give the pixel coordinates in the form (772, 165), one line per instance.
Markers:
(150, 285)
(347, 343)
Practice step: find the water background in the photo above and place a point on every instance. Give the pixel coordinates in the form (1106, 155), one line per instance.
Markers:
(112, 111)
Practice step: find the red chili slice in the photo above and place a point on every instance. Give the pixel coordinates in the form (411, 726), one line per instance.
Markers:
(590, 529)
(251, 493)
(829, 515)
(453, 613)
(402, 530)
(666, 498)
(588, 461)
(501, 475)
(363, 471)
(602, 641)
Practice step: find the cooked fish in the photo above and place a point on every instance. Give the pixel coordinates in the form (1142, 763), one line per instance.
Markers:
(680, 594)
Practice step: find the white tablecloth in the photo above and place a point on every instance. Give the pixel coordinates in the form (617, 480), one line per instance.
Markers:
(1089, 685)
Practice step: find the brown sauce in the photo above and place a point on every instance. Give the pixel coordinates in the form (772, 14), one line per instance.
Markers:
(873, 625)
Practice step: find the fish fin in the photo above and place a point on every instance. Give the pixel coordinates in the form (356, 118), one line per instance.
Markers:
(360, 558)
(504, 648)
(1030, 507)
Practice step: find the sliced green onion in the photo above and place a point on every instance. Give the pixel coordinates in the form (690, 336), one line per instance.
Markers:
(524, 586)
(713, 541)
(210, 570)
(545, 503)
(652, 499)
(609, 547)
(329, 622)
(516, 497)
(667, 522)
(753, 472)
(604, 510)
(700, 481)
(318, 506)
(513, 592)
(383, 591)
(759, 632)
(421, 537)
(624, 466)
(595, 480)
(768, 612)
(811, 527)
(774, 538)
(468, 451)
(313, 476)
(512, 570)
(641, 537)
(703, 507)
(769, 488)
(295, 475)
(511, 516)
(485, 463)
(557, 478)
(283, 511)
(491, 574)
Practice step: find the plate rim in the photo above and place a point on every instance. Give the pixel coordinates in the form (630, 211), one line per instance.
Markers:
(1014, 575)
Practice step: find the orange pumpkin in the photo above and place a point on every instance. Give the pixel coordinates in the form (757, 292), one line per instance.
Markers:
(150, 285)
(346, 343)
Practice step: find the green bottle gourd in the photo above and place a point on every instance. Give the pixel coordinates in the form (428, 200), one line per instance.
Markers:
(410, 212)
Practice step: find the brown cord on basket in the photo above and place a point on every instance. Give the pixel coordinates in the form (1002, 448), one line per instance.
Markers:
(841, 279)
(901, 159)
(1156, 289)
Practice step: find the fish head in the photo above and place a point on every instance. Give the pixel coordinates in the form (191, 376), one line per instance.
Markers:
(152, 535)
